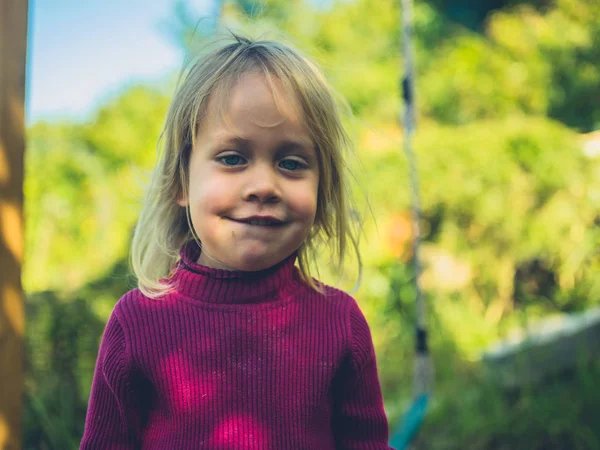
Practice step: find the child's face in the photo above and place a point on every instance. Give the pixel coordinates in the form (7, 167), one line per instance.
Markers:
(262, 163)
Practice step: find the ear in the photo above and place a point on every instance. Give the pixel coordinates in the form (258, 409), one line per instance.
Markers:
(182, 201)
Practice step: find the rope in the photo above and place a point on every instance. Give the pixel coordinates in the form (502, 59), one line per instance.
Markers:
(423, 369)
(423, 376)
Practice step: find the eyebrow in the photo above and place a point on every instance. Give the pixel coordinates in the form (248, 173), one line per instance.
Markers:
(285, 146)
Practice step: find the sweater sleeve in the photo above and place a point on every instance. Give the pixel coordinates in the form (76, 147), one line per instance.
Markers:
(359, 420)
(114, 414)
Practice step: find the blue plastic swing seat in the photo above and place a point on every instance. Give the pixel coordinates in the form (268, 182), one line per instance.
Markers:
(410, 423)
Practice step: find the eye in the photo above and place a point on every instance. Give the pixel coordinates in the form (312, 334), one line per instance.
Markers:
(231, 160)
(291, 164)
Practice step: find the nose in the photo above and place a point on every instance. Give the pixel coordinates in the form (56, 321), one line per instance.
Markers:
(262, 185)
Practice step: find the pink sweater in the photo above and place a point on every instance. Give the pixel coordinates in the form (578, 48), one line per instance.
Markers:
(236, 360)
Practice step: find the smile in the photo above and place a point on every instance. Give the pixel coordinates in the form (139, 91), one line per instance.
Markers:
(260, 222)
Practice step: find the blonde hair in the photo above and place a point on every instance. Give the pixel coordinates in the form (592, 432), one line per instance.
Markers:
(164, 226)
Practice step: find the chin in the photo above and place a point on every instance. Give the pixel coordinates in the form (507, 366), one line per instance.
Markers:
(255, 262)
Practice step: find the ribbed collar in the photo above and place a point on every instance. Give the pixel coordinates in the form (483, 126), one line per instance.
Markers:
(221, 286)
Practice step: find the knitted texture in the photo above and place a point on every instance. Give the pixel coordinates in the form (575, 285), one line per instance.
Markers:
(236, 360)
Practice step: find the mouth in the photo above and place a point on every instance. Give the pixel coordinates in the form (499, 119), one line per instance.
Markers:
(260, 221)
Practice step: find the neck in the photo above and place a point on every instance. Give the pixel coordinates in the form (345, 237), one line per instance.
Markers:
(223, 286)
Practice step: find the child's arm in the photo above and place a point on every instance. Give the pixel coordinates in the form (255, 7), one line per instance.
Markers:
(114, 414)
(359, 420)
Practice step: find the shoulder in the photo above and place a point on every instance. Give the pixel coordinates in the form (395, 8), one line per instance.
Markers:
(131, 321)
(117, 352)
(346, 302)
(117, 324)
(134, 304)
(358, 331)
(134, 311)
(348, 306)
(125, 308)
(331, 300)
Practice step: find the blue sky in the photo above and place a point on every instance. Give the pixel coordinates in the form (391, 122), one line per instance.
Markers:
(80, 51)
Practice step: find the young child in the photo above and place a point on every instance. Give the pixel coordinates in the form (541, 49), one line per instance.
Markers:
(227, 344)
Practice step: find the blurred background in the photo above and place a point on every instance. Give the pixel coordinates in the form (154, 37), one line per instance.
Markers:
(508, 148)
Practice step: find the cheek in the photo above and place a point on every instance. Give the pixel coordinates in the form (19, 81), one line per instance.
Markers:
(213, 195)
(305, 203)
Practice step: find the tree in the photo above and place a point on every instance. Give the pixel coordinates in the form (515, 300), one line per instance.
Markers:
(13, 44)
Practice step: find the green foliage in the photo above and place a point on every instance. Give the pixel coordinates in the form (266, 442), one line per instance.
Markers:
(487, 211)
(558, 415)
(63, 334)
(472, 80)
(82, 189)
(125, 130)
(541, 61)
(60, 364)
(563, 43)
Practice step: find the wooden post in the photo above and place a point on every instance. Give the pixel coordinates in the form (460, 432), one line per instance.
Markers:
(13, 49)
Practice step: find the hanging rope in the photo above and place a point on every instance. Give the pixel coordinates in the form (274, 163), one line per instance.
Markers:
(423, 370)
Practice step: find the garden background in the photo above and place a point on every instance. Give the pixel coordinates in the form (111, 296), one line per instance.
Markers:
(508, 99)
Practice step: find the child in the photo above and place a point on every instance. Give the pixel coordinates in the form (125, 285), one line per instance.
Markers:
(226, 344)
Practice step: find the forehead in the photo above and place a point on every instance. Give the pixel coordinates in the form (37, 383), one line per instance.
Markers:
(261, 98)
